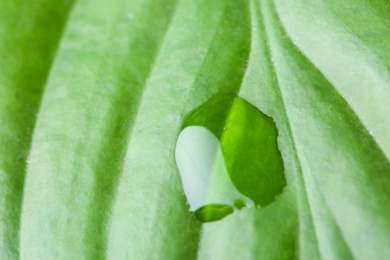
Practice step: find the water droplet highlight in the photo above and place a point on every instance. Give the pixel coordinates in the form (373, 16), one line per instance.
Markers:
(228, 158)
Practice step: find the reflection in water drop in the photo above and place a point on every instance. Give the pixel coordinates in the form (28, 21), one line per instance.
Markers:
(228, 158)
(203, 169)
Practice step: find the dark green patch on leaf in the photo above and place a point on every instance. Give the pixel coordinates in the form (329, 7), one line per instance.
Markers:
(213, 212)
(239, 204)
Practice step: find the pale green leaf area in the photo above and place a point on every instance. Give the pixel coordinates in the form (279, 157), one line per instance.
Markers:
(93, 95)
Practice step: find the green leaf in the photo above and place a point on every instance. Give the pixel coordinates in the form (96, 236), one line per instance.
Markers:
(29, 33)
(94, 94)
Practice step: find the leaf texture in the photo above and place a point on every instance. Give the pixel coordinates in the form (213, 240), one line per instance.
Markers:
(93, 95)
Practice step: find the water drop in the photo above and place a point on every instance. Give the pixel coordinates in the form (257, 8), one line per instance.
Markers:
(228, 158)
(213, 212)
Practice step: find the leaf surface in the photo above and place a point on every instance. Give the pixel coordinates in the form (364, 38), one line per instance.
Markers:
(90, 118)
